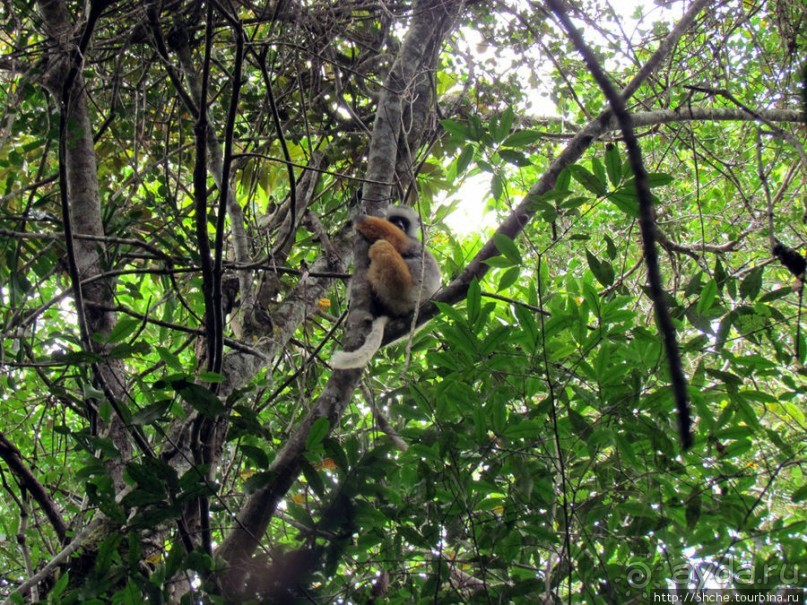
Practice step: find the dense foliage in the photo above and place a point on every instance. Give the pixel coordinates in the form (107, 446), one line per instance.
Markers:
(172, 282)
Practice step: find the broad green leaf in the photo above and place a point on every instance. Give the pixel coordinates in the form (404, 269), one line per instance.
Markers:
(707, 297)
(256, 454)
(507, 247)
(694, 285)
(564, 180)
(473, 301)
(126, 350)
(587, 179)
(457, 130)
(200, 398)
(524, 429)
(123, 328)
(799, 495)
(502, 129)
(500, 262)
(151, 413)
(515, 157)
(509, 278)
(610, 247)
(496, 186)
(171, 360)
(528, 324)
(599, 172)
(521, 138)
(464, 159)
(613, 164)
(654, 179)
(776, 294)
(602, 270)
(211, 377)
(752, 283)
(319, 430)
(626, 200)
(313, 478)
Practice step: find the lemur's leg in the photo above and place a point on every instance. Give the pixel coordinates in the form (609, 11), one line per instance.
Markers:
(389, 275)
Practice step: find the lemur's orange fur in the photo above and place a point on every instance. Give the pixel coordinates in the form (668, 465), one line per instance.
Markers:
(374, 229)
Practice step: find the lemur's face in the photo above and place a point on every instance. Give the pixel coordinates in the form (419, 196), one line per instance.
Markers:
(403, 223)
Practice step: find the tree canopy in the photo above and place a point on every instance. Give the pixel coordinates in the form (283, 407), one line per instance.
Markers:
(177, 184)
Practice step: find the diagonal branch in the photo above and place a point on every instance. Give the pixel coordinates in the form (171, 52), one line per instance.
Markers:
(647, 224)
(13, 458)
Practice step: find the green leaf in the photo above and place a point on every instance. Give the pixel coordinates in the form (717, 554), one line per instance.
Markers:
(509, 278)
(259, 481)
(126, 350)
(610, 247)
(457, 130)
(211, 377)
(522, 138)
(496, 187)
(580, 425)
(319, 430)
(776, 294)
(58, 588)
(500, 262)
(200, 398)
(507, 247)
(613, 164)
(128, 595)
(626, 200)
(464, 159)
(313, 478)
(515, 157)
(587, 179)
(199, 561)
(602, 270)
(658, 179)
(693, 508)
(524, 429)
(599, 171)
(528, 325)
(478, 132)
(256, 454)
(124, 327)
(752, 283)
(502, 129)
(694, 285)
(473, 301)
(563, 181)
(169, 359)
(573, 203)
(654, 179)
(626, 450)
(799, 495)
(75, 357)
(151, 413)
(707, 297)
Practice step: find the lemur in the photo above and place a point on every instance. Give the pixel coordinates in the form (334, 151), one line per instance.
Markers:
(402, 274)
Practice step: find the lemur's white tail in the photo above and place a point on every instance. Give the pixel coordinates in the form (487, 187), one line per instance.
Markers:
(354, 360)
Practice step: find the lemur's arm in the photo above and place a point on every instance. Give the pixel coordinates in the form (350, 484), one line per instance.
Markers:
(374, 229)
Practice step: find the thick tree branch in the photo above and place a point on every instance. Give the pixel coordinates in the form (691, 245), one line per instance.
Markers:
(13, 458)
(82, 210)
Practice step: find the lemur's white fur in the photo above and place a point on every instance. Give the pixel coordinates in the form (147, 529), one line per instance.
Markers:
(354, 360)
